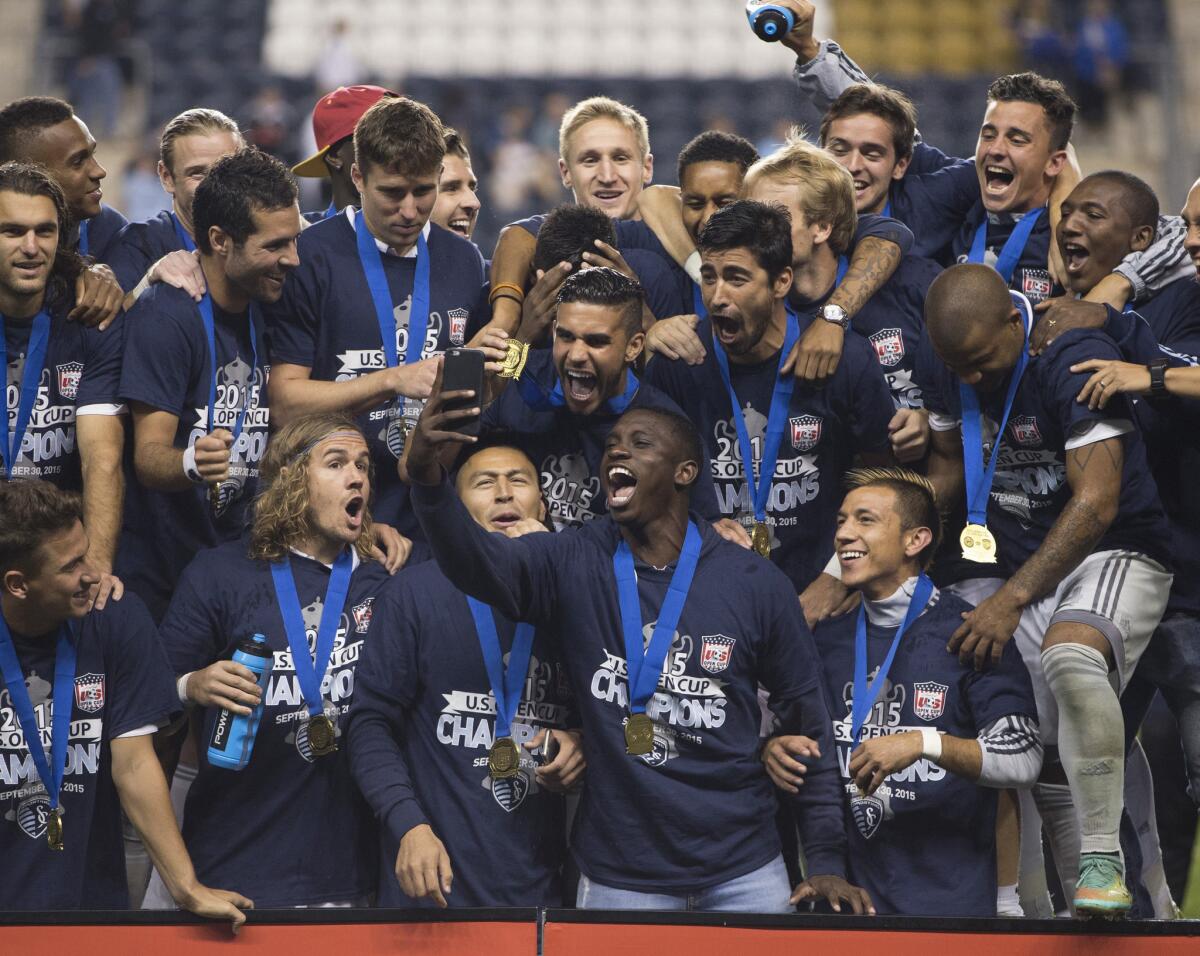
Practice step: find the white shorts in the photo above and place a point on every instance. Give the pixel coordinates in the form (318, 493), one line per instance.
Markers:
(1122, 594)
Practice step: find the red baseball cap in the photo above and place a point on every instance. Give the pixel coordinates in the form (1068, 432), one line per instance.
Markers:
(334, 118)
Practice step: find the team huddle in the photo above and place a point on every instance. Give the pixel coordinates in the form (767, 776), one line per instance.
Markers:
(789, 536)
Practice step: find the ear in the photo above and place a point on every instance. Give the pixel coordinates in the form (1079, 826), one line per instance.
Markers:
(685, 473)
(356, 176)
(1141, 239)
(916, 540)
(1056, 162)
(820, 233)
(783, 283)
(564, 173)
(16, 584)
(166, 179)
(220, 241)
(333, 161)
(648, 169)
(901, 167)
(633, 348)
(541, 509)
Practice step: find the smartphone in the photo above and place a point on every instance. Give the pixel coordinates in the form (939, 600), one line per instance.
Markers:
(548, 750)
(463, 368)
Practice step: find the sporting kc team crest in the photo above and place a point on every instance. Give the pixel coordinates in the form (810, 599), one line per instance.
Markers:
(1025, 430)
(889, 346)
(806, 432)
(89, 692)
(929, 700)
(68, 379)
(715, 652)
(458, 325)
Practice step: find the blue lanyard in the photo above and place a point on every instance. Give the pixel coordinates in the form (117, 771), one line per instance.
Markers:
(506, 683)
(418, 316)
(206, 313)
(1010, 255)
(977, 478)
(645, 663)
(310, 671)
(864, 696)
(84, 243)
(781, 397)
(50, 773)
(537, 398)
(31, 377)
(181, 234)
(887, 208)
(331, 211)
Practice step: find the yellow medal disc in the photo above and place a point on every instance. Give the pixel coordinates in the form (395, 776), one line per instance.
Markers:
(504, 759)
(322, 738)
(760, 539)
(54, 829)
(978, 544)
(639, 735)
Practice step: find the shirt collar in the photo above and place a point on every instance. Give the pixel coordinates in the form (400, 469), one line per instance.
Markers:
(354, 559)
(891, 610)
(351, 214)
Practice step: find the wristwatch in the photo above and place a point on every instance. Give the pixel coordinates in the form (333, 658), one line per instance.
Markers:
(837, 315)
(1158, 377)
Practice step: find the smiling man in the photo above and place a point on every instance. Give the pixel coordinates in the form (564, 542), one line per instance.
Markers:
(457, 206)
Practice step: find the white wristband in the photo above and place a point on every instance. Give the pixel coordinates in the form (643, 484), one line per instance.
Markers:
(931, 744)
(181, 687)
(189, 465)
(692, 266)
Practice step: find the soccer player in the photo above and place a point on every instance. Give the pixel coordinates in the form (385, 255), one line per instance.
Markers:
(670, 712)
(923, 746)
(85, 691)
(195, 375)
(424, 726)
(457, 206)
(333, 121)
(379, 292)
(64, 416)
(289, 828)
(1067, 510)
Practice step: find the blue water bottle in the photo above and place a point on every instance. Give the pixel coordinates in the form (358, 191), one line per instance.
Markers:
(233, 734)
(769, 21)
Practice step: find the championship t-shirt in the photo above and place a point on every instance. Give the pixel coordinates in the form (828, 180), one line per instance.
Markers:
(99, 236)
(140, 245)
(1031, 276)
(289, 828)
(933, 198)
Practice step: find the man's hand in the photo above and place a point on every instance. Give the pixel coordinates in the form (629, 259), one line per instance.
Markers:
(781, 758)
(676, 338)
(836, 891)
(216, 904)
(391, 549)
(98, 297)
(415, 380)
(608, 257)
(525, 526)
(180, 269)
(985, 630)
(732, 531)
(874, 759)
(565, 771)
(537, 311)
(1109, 378)
(815, 357)
(826, 597)
(800, 40)
(110, 586)
(909, 431)
(423, 866)
(212, 455)
(225, 684)
(432, 434)
(1061, 315)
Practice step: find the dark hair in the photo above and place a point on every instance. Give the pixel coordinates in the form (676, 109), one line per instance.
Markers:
(679, 428)
(606, 286)
(400, 135)
(23, 119)
(30, 512)
(1050, 95)
(190, 122)
(1139, 200)
(569, 231)
(234, 188)
(713, 146)
(454, 143)
(891, 106)
(28, 179)
(765, 229)
(916, 503)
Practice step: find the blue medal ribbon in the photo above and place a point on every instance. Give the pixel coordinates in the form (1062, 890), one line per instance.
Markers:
(536, 397)
(864, 696)
(977, 478)
(506, 682)
(310, 671)
(206, 314)
(31, 377)
(185, 241)
(331, 211)
(887, 208)
(645, 663)
(50, 772)
(1010, 254)
(781, 397)
(84, 243)
(418, 315)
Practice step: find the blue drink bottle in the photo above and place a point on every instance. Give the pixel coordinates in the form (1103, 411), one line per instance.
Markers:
(769, 21)
(233, 734)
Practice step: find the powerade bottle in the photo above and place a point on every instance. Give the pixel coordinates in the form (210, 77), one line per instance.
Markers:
(233, 734)
(769, 21)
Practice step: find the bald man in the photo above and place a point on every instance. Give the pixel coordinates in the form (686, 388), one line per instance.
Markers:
(1066, 545)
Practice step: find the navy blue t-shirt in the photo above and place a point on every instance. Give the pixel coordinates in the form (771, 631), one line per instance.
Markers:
(82, 368)
(122, 683)
(567, 448)
(1030, 486)
(140, 245)
(699, 809)
(826, 428)
(1031, 277)
(936, 193)
(289, 828)
(98, 236)
(924, 843)
(420, 732)
(167, 367)
(326, 322)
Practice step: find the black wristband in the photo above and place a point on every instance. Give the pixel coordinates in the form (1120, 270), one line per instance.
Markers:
(1158, 377)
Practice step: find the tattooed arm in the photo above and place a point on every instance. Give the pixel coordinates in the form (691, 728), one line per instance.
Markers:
(1094, 474)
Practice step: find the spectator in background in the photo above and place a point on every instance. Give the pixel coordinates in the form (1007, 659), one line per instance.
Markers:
(1043, 45)
(95, 76)
(338, 64)
(140, 189)
(520, 178)
(1101, 55)
(545, 127)
(271, 122)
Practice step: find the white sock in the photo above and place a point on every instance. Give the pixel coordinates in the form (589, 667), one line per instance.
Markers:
(1007, 903)
(1091, 741)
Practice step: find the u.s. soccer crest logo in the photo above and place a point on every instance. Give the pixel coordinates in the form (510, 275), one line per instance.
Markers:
(715, 652)
(1036, 284)
(868, 814)
(362, 616)
(889, 346)
(68, 379)
(929, 700)
(89, 692)
(510, 792)
(1025, 430)
(458, 325)
(806, 432)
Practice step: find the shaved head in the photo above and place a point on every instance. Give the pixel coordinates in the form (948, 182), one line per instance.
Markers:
(973, 324)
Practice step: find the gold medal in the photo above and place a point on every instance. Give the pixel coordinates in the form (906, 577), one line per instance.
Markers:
(639, 735)
(514, 359)
(760, 539)
(504, 759)
(978, 544)
(54, 829)
(322, 740)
